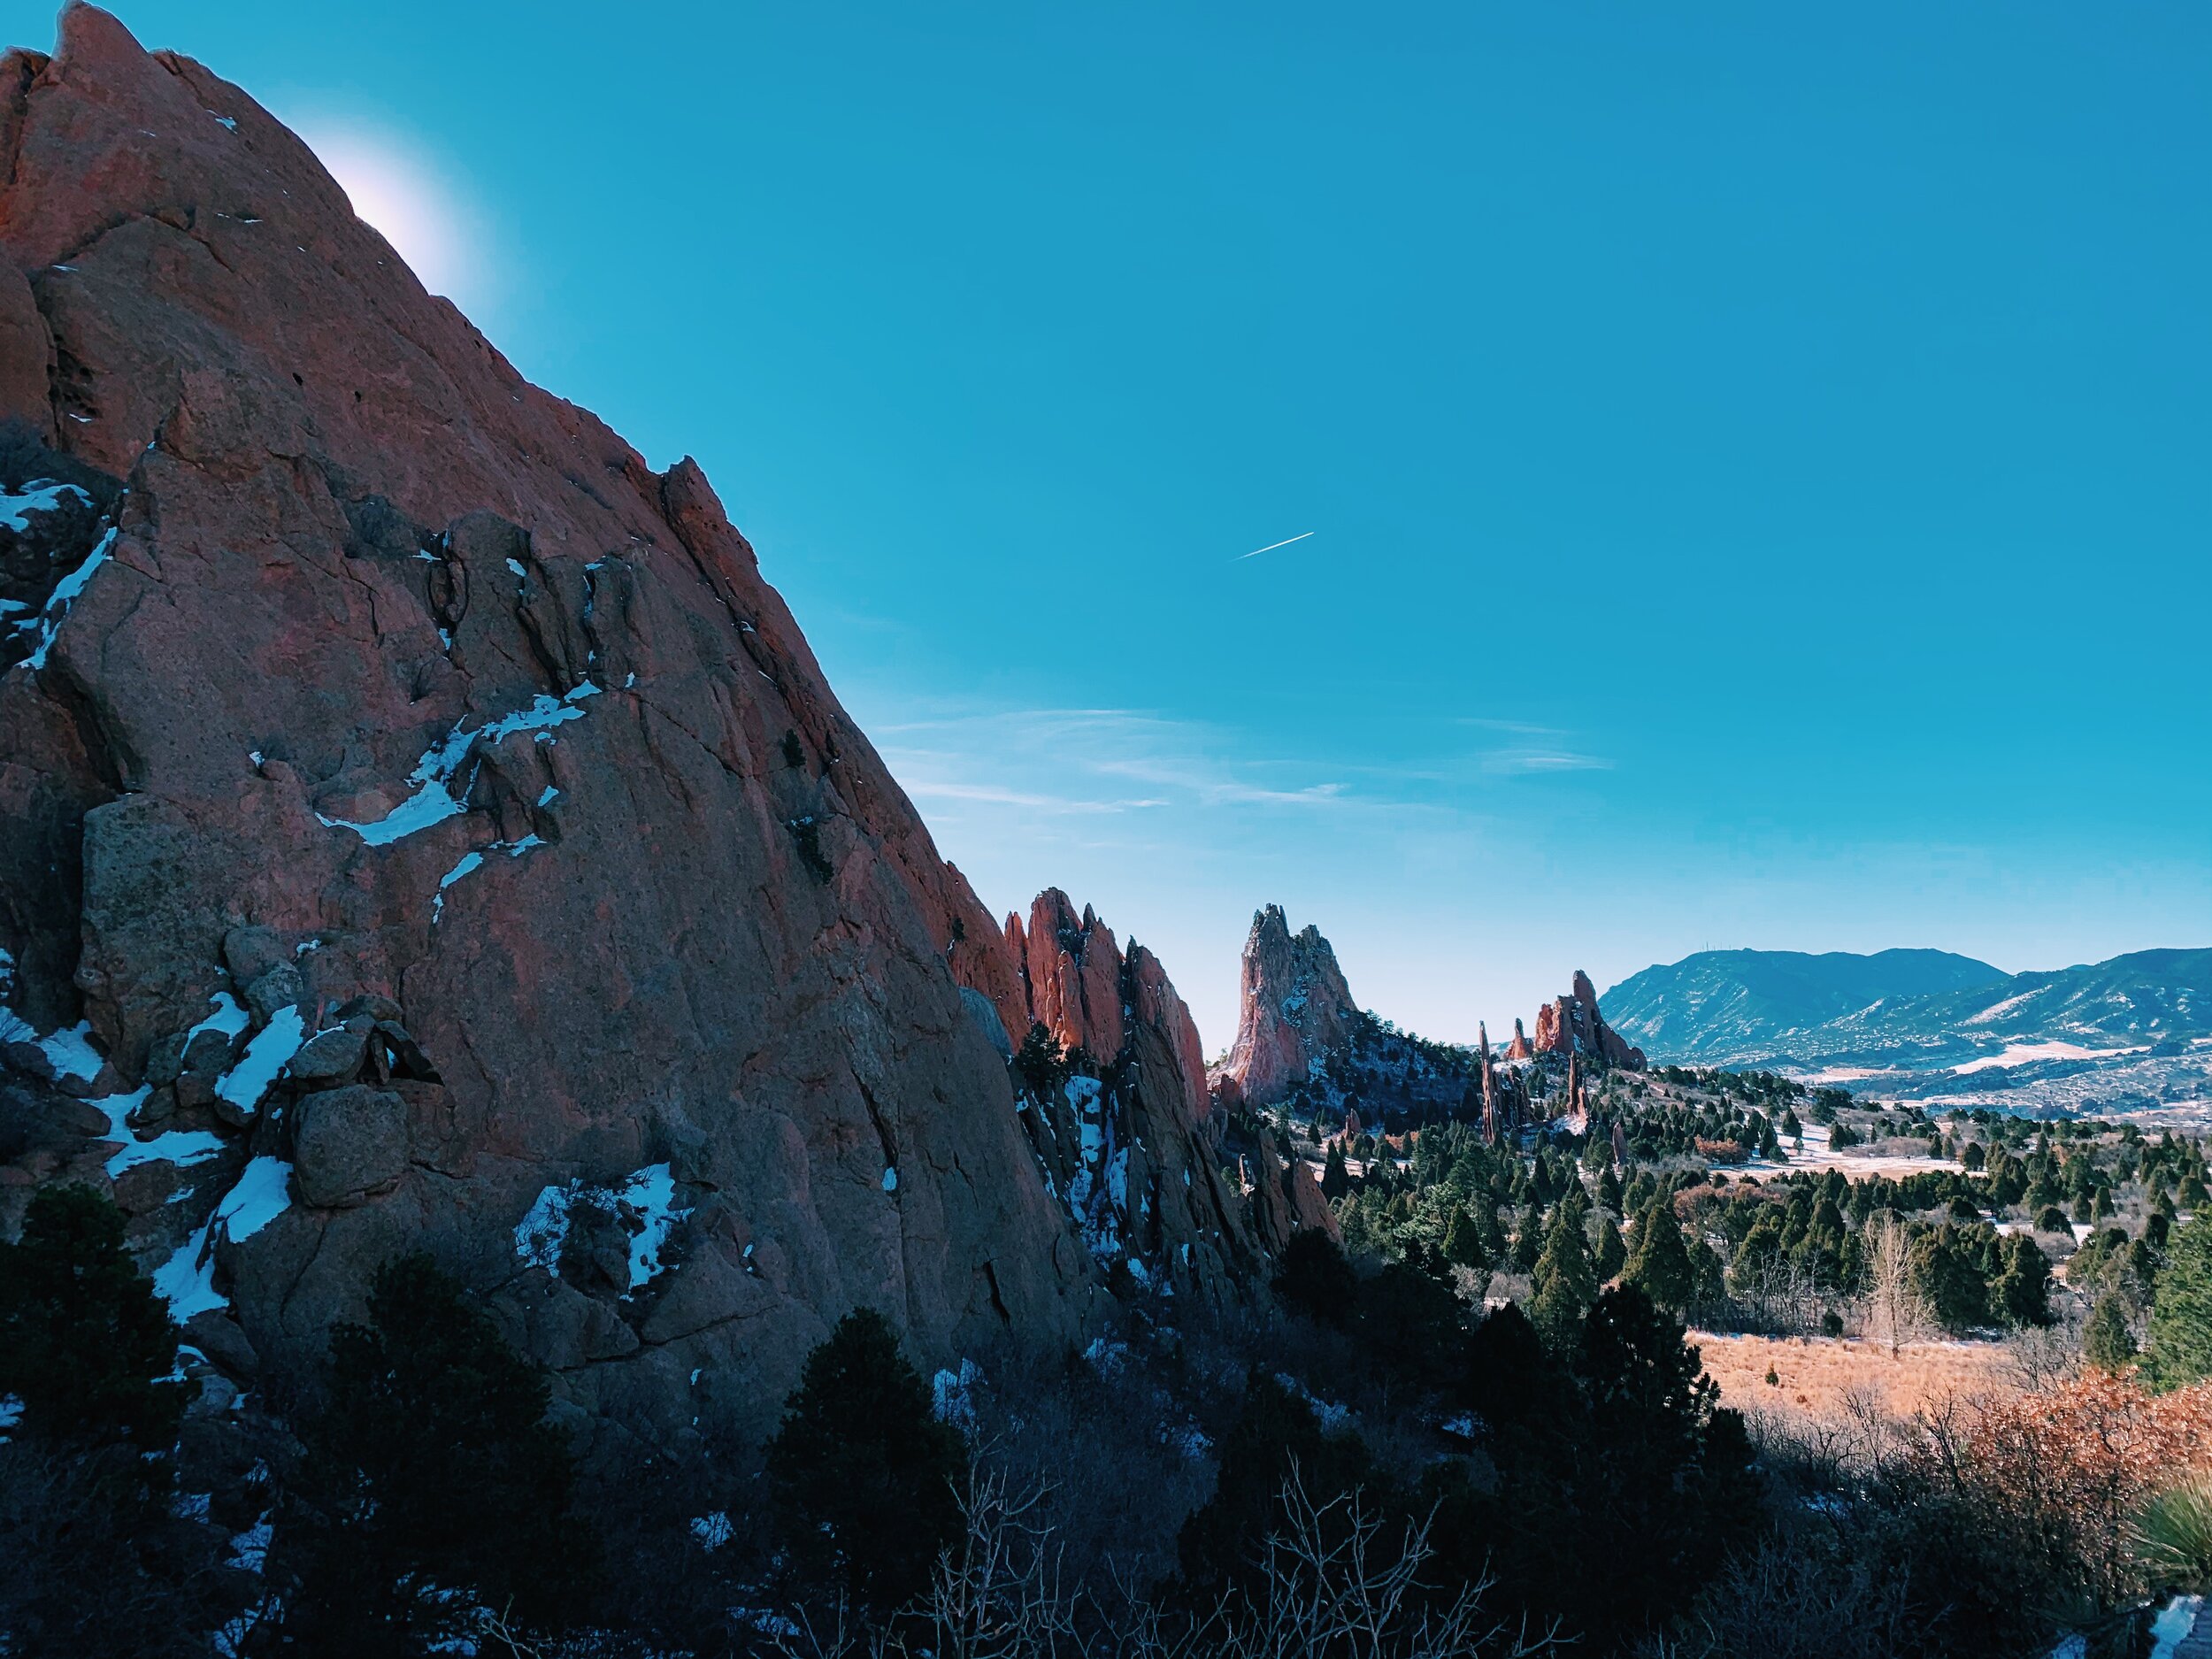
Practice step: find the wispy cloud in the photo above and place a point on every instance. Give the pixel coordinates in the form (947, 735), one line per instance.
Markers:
(936, 789)
(1514, 763)
(1000, 756)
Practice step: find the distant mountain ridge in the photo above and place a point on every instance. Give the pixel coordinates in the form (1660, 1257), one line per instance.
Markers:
(1726, 1002)
(2130, 1033)
(1731, 1006)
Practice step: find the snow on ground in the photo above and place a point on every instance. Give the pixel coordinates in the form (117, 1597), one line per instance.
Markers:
(1859, 1163)
(264, 1192)
(228, 1018)
(186, 1281)
(180, 1147)
(272, 1047)
(2174, 1621)
(2025, 1053)
(652, 1190)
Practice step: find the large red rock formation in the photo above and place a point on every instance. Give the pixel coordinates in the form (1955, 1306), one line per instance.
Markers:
(1129, 1143)
(424, 820)
(1294, 1010)
(1571, 1025)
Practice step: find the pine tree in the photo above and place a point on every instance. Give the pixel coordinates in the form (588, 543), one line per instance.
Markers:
(82, 1336)
(1566, 1279)
(1660, 1265)
(1612, 1254)
(2021, 1292)
(2106, 1341)
(430, 1470)
(1528, 1240)
(2181, 1307)
(1462, 1242)
(1315, 1275)
(867, 1481)
(1336, 1179)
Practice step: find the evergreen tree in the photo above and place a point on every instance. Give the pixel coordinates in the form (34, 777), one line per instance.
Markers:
(1528, 1240)
(2181, 1307)
(432, 1480)
(1610, 1192)
(2021, 1292)
(2106, 1341)
(1664, 1478)
(83, 1335)
(1660, 1265)
(1336, 1179)
(1566, 1277)
(1612, 1255)
(1462, 1239)
(1947, 1281)
(1315, 1275)
(1042, 1063)
(867, 1481)
(1218, 1543)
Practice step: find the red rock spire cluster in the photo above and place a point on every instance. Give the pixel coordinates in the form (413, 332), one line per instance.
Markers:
(1571, 1025)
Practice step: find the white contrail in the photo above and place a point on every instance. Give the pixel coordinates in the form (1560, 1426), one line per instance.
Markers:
(1272, 546)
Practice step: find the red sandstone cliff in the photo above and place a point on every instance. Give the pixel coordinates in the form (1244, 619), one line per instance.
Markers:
(421, 827)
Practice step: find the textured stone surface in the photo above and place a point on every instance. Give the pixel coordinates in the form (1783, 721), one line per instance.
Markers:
(348, 1143)
(1294, 1008)
(1571, 1025)
(678, 912)
(1137, 1160)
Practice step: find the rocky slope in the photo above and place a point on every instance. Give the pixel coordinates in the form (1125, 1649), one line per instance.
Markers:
(421, 827)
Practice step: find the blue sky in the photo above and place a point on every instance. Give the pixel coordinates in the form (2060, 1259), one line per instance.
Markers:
(1757, 459)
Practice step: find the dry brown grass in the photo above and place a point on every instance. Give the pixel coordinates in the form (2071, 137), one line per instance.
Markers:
(1821, 1377)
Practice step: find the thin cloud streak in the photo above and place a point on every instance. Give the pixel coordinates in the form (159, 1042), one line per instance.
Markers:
(1514, 762)
(1271, 547)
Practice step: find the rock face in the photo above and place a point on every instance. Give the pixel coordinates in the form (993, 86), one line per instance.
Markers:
(1571, 1025)
(428, 816)
(1303, 1044)
(1127, 1137)
(1294, 1010)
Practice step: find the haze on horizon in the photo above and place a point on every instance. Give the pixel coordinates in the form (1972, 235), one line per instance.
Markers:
(1741, 479)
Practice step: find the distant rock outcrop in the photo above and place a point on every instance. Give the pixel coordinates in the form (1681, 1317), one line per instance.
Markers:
(1571, 1025)
(422, 827)
(1127, 1134)
(1294, 1010)
(1303, 1044)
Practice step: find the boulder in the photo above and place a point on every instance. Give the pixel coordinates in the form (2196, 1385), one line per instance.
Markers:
(280, 986)
(328, 1058)
(250, 952)
(348, 1143)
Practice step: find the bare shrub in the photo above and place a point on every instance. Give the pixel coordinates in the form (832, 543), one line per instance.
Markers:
(1896, 1313)
(1335, 1581)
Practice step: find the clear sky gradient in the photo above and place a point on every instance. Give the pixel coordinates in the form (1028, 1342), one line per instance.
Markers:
(1756, 459)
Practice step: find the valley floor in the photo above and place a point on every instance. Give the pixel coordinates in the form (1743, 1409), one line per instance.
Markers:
(1840, 1380)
